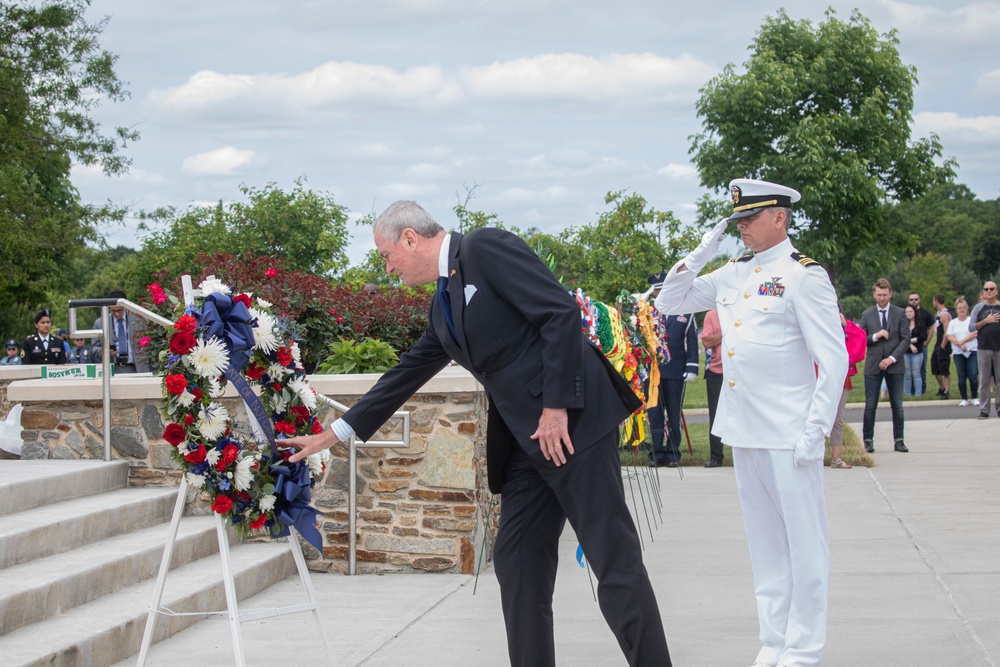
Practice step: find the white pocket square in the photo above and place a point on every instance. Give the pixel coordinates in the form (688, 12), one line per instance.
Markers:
(470, 290)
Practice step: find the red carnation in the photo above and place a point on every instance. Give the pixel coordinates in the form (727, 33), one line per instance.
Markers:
(301, 414)
(186, 323)
(174, 434)
(176, 384)
(243, 298)
(188, 419)
(284, 356)
(259, 522)
(276, 386)
(196, 455)
(254, 371)
(316, 427)
(182, 342)
(270, 273)
(284, 427)
(222, 504)
(196, 392)
(229, 453)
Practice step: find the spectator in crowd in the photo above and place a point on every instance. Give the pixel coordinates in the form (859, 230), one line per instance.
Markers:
(711, 339)
(43, 348)
(80, 353)
(888, 336)
(124, 349)
(962, 334)
(63, 335)
(925, 318)
(941, 352)
(679, 336)
(986, 319)
(12, 358)
(854, 340)
(913, 358)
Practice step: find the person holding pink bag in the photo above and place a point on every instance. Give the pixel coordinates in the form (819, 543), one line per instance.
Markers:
(854, 339)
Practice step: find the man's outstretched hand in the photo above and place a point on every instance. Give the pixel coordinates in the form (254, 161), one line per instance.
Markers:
(310, 444)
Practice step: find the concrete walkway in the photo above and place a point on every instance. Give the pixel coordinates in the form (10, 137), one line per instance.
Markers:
(915, 547)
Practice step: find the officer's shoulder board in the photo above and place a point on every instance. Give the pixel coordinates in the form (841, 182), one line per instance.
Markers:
(745, 258)
(803, 260)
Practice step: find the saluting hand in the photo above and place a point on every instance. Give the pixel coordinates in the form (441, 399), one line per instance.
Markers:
(553, 434)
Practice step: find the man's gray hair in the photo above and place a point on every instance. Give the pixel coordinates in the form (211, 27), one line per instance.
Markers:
(403, 214)
(788, 216)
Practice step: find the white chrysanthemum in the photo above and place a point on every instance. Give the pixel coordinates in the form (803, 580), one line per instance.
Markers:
(278, 403)
(184, 449)
(296, 353)
(186, 399)
(213, 456)
(195, 481)
(300, 387)
(209, 358)
(265, 334)
(215, 388)
(244, 473)
(213, 285)
(263, 304)
(316, 463)
(212, 421)
(277, 371)
(267, 503)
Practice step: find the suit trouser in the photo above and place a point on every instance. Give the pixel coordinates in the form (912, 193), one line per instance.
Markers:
(894, 385)
(536, 502)
(989, 368)
(784, 510)
(666, 416)
(713, 387)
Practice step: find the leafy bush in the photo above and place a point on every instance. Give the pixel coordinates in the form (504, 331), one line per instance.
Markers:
(368, 356)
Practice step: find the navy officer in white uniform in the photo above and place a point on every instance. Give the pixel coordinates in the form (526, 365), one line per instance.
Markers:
(784, 364)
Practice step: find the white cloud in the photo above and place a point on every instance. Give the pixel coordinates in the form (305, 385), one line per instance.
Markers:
(220, 162)
(961, 129)
(974, 22)
(626, 81)
(394, 191)
(988, 85)
(678, 171)
(568, 164)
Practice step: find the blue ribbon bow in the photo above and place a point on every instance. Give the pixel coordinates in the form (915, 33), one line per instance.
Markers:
(229, 321)
(292, 508)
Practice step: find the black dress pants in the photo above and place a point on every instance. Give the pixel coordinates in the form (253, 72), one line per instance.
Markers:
(536, 502)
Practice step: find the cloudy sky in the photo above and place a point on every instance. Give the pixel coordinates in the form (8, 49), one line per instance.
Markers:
(545, 105)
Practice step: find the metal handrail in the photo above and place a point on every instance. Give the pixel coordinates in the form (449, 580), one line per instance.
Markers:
(105, 333)
(352, 447)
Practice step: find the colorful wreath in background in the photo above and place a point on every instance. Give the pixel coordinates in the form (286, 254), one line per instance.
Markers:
(234, 339)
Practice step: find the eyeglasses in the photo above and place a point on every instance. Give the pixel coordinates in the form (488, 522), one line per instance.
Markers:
(989, 289)
(914, 298)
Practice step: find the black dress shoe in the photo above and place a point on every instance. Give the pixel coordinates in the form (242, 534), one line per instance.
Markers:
(672, 464)
(712, 463)
(900, 447)
(869, 446)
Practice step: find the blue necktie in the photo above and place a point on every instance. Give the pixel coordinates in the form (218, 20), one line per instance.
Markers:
(122, 342)
(445, 302)
(884, 324)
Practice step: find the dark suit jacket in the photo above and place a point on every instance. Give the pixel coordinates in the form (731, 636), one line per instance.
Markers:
(681, 332)
(895, 346)
(519, 333)
(132, 323)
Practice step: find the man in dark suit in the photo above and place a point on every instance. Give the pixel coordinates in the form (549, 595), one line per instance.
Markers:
(888, 335)
(679, 335)
(552, 433)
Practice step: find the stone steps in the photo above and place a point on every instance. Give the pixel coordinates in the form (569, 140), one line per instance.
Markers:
(79, 554)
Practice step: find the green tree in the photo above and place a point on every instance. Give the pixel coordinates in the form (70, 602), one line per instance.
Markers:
(53, 74)
(826, 109)
(305, 228)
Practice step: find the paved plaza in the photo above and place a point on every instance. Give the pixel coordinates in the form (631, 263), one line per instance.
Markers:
(915, 551)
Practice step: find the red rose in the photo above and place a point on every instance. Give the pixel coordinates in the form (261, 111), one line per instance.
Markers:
(254, 371)
(144, 341)
(196, 392)
(276, 386)
(182, 342)
(157, 293)
(316, 427)
(259, 522)
(270, 273)
(301, 414)
(243, 298)
(340, 320)
(188, 419)
(284, 356)
(284, 427)
(186, 323)
(222, 504)
(176, 384)
(229, 453)
(196, 455)
(174, 434)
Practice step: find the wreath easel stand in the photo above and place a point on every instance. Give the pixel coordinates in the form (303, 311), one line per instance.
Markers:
(236, 617)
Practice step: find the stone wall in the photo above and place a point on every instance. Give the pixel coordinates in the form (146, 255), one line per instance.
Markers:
(421, 508)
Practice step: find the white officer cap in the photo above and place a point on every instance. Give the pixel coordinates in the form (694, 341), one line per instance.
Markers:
(751, 196)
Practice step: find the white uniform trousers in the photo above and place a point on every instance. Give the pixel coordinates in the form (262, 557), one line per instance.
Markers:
(784, 509)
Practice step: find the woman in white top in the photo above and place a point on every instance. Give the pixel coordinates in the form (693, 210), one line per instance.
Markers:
(963, 349)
